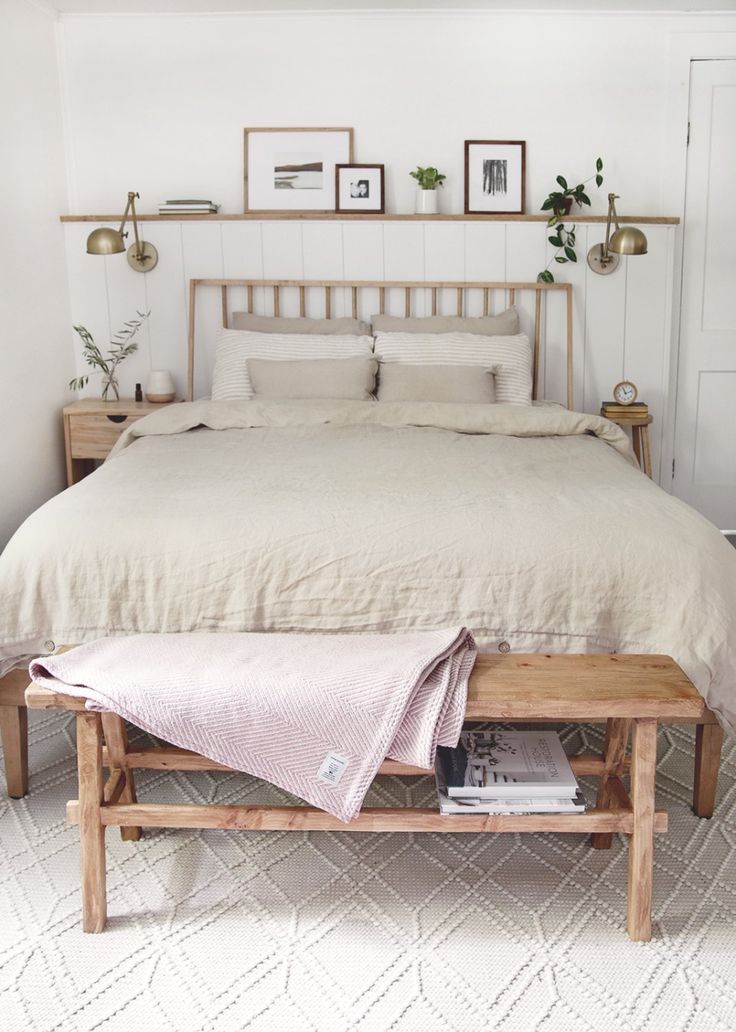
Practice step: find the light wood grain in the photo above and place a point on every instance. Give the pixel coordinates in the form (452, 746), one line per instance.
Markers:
(116, 736)
(90, 433)
(641, 845)
(372, 819)
(325, 216)
(614, 757)
(91, 828)
(708, 743)
(14, 735)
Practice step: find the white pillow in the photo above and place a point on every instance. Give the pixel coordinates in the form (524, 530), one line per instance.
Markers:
(512, 355)
(230, 380)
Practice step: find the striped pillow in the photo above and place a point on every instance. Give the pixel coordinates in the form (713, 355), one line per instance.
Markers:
(512, 354)
(230, 380)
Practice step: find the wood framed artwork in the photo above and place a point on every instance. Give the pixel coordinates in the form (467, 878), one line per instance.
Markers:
(359, 188)
(293, 170)
(495, 173)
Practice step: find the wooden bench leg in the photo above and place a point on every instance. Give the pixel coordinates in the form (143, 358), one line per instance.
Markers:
(641, 843)
(91, 828)
(708, 743)
(614, 754)
(116, 738)
(14, 731)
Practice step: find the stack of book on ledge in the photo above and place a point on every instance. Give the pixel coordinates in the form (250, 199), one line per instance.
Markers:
(188, 207)
(612, 410)
(507, 772)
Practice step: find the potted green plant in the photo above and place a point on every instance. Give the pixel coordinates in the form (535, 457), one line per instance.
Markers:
(428, 179)
(122, 345)
(559, 203)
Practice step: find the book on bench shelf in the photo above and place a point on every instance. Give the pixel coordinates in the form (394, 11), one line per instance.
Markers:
(507, 772)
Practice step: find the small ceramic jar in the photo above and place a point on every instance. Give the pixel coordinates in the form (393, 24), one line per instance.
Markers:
(160, 386)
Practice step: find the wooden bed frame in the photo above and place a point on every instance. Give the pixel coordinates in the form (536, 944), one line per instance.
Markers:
(336, 298)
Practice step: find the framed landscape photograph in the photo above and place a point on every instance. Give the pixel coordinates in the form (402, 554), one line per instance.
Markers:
(359, 188)
(293, 169)
(495, 171)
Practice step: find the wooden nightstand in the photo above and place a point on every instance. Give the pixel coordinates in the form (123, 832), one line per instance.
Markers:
(91, 428)
(639, 426)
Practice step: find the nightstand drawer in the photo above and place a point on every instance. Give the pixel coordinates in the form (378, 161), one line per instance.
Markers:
(92, 436)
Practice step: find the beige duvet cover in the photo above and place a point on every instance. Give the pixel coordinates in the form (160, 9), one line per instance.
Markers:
(531, 526)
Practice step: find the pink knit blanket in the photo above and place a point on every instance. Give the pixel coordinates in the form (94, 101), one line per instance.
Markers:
(314, 714)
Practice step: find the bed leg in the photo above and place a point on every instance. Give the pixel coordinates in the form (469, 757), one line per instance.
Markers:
(116, 737)
(614, 754)
(14, 730)
(91, 828)
(708, 742)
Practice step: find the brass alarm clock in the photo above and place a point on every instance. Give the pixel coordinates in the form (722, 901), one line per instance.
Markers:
(625, 393)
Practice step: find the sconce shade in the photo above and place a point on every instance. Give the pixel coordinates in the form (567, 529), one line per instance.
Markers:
(628, 240)
(105, 241)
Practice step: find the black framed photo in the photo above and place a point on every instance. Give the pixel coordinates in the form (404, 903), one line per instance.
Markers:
(359, 188)
(495, 173)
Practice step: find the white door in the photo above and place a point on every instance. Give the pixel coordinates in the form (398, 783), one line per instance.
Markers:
(705, 424)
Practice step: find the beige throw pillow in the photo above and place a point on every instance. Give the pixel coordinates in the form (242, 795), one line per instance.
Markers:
(342, 379)
(463, 384)
(512, 354)
(489, 325)
(297, 324)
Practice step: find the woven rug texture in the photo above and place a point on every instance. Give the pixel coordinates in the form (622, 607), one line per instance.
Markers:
(214, 931)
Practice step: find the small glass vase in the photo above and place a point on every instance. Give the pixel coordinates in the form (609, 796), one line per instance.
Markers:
(110, 388)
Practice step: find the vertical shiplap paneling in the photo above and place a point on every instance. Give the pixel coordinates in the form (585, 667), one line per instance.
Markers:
(605, 313)
(282, 250)
(525, 257)
(403, 259)
(127, 295)
(242, 258)
(87, 296)
(554, 324)
(362, 257)
(202, 250)
(644, 340)
(444, 259)
(166, 298)
(485, 260)
(323, 260)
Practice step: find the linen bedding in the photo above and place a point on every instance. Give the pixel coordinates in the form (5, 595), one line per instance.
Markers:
(531, 525)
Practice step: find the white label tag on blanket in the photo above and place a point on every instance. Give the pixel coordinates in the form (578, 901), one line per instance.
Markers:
(332, 769)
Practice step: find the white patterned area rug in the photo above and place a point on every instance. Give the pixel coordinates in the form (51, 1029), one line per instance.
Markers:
(330, 932)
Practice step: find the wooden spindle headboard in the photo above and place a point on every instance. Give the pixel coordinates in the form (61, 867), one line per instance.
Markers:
(327, 288)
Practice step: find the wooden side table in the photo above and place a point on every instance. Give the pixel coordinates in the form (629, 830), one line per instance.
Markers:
(91, 428)
(639, 426)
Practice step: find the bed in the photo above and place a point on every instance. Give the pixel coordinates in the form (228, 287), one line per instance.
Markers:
(533, 526)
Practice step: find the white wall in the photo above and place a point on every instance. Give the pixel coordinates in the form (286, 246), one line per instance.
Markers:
(158, 103)
(36, 360)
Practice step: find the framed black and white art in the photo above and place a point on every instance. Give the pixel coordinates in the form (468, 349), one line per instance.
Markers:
(294, 169)
(495, 171)
(359, 188)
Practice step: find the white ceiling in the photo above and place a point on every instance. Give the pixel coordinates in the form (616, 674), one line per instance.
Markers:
(229, 6)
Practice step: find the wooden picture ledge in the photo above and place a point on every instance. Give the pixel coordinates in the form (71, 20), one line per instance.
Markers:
(322, 216)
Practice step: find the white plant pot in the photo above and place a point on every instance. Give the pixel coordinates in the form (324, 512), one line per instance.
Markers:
(160, 386)
(426, 202)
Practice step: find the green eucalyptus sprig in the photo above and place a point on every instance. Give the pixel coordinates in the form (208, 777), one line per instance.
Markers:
(559, 203)
(428, 178)
(122, 345)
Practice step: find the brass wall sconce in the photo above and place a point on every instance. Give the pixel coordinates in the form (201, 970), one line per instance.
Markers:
(604, 258)
(142, 256)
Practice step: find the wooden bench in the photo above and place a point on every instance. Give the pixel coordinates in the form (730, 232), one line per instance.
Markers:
(631, 694)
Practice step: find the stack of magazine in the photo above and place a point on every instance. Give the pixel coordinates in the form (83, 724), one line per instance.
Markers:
(188, 206)
(507, 772)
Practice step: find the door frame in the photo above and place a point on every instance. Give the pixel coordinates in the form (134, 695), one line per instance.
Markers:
(684, 49)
